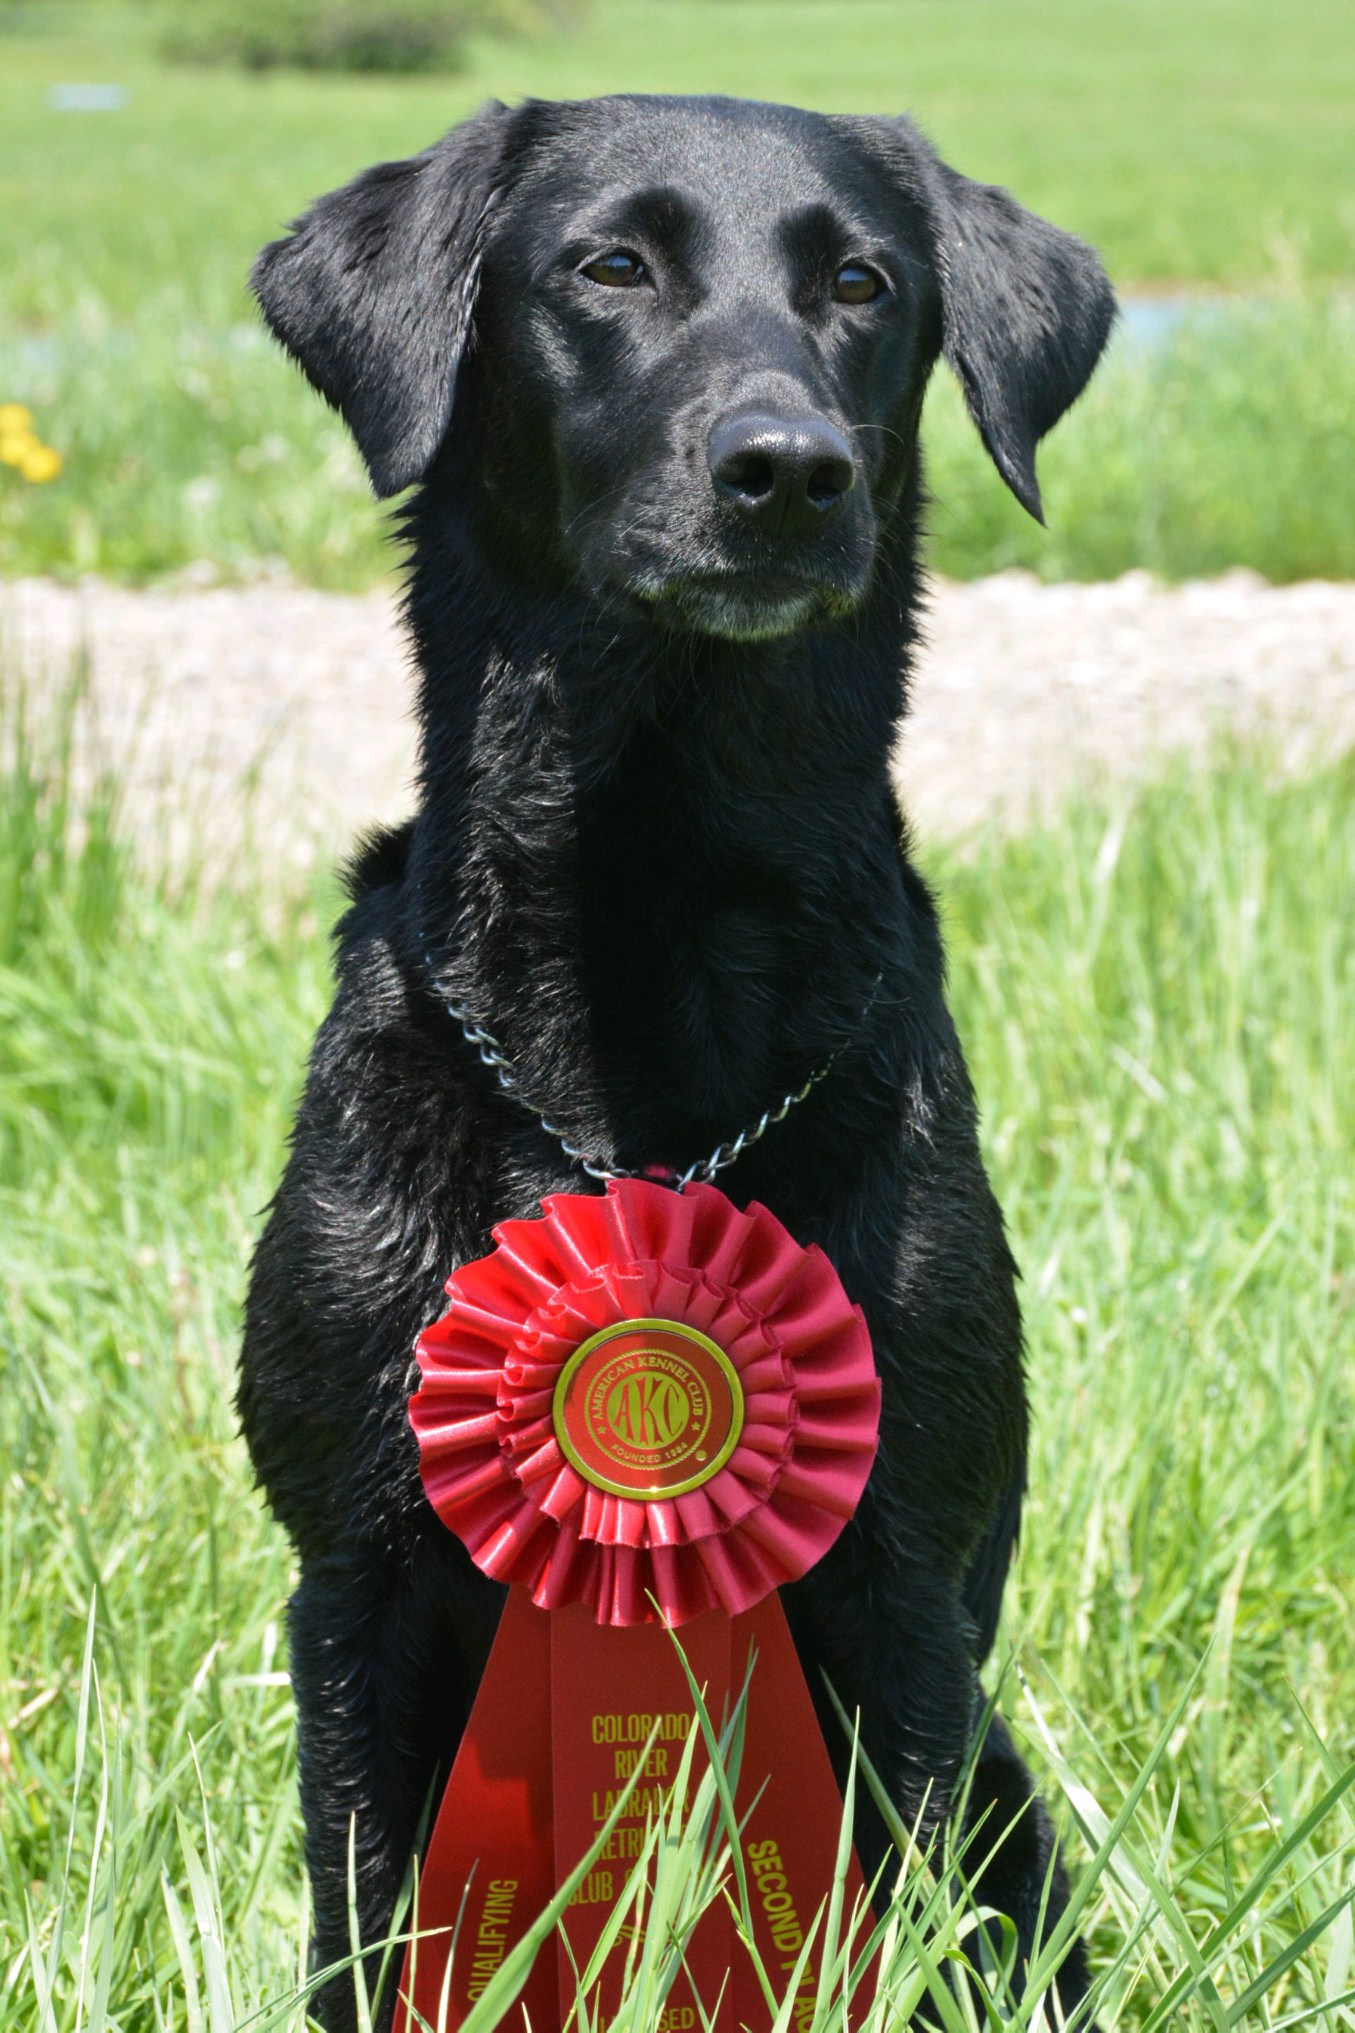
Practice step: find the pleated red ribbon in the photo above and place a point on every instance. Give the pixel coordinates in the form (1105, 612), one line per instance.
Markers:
(644, 1410)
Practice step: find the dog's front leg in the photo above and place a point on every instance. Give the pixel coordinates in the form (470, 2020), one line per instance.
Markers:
(380, 1700)
(892, 1638)
(888, 1636)
(1003, 1804)
(362, 1779)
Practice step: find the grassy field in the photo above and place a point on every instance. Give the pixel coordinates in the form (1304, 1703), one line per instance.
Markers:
(1192, 140)
(1156, 994)
(1202, 145)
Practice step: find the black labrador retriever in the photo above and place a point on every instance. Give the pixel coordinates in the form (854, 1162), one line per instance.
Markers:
(653, 369)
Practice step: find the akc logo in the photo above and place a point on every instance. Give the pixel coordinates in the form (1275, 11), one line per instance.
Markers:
(648, 1408)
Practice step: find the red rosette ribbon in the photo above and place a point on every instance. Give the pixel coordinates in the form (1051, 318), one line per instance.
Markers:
(768, 1328)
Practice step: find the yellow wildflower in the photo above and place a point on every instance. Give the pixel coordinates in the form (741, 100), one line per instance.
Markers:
(41, 462)
(22, 448)
(15, 446)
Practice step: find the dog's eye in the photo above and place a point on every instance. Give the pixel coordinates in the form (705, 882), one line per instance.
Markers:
(619, 269)
(854, 283)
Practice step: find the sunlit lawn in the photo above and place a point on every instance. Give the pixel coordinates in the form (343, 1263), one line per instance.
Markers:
(1192, 140)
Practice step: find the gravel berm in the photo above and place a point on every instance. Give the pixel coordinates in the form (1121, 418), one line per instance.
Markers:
(274, 721)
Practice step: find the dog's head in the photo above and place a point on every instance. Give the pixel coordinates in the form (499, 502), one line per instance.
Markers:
(686, 339)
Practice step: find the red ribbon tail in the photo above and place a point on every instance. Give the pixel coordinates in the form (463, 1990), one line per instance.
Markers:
(790, 1839)
(490, 1867)
(613, 1689)
(572, 1713)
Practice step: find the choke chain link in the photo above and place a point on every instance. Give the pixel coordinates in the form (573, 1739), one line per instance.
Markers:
(493, 1056)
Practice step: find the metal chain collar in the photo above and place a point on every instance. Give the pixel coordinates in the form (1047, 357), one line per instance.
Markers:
(492, 1055)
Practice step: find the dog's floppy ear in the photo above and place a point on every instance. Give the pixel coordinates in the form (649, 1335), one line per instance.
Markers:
(1025, 308)
(1025, 312)
(373, 290)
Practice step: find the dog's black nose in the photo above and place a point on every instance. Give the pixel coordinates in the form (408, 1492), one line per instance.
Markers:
(788, 474)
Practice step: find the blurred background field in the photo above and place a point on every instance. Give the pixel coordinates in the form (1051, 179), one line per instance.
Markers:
(1205, 148)
(1153, 971)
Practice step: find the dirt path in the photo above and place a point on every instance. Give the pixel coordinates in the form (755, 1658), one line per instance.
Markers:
(301, 698)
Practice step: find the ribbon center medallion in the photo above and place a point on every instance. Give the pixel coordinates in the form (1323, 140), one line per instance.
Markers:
(648, 1408)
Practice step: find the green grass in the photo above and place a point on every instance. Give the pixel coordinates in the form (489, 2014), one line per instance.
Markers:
(184, 444)
(1203, 143)
(1203, 140)
(1216, 451)
(1156, 992)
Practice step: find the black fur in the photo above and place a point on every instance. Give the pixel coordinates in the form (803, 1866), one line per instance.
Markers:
(657, 853)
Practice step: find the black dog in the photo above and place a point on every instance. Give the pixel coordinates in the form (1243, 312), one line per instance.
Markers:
(654, 368)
